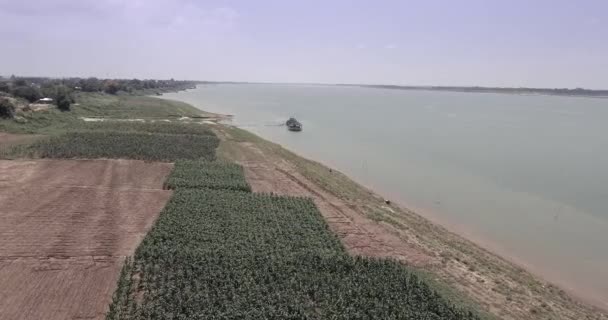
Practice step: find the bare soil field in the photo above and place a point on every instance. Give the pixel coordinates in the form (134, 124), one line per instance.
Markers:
(47, 288)
(66, 228)
(10, 139)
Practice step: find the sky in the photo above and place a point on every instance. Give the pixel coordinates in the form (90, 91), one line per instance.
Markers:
(510, 43)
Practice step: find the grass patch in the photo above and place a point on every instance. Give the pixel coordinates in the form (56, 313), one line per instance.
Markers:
(130, 145)
(53, 121)
(41, 122)
(211, 175)
(221, 254)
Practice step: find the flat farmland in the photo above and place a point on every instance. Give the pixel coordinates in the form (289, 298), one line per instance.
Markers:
(66, 228)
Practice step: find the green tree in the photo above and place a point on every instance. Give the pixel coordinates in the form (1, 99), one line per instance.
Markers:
(7, 109)
(63, 102)
(63, 97)
(49, 90)
(136, 84)
(111, 87)
(4, 86)
(29, 93)
(91, 85)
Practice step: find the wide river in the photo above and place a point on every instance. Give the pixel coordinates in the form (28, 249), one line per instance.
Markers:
(523, 175)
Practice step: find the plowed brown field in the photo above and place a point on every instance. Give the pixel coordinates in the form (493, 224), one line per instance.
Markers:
(66, 227)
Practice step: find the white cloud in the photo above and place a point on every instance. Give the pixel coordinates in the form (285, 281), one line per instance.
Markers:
(361, 46)
(225, 13)
(222, 16)
(179, 14)
(390, 46)
(160, 13)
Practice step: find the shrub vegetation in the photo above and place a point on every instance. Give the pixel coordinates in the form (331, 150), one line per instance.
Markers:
(212, 175)
(7, 109)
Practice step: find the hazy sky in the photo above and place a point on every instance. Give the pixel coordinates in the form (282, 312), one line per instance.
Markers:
(540, 43)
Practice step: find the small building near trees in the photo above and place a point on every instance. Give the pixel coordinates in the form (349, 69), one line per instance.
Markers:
(45, 100)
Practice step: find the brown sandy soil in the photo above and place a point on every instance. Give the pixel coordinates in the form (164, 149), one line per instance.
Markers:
(66, 228)
(359, 235)
(367, 226)
(39, 107)
(84, 173)
(46, 288)
(10, 139)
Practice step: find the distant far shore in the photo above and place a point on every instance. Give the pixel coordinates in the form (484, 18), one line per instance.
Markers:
(576, 92)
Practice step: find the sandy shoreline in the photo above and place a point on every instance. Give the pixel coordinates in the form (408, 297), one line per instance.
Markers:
(575, 291)
(545, 284)
(581, 293)
(491, 257)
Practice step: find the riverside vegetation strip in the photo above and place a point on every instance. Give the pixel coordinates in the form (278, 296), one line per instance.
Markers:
(156, 141)
(494, 285)
(229, 254)
(99, 106)
(225, 254)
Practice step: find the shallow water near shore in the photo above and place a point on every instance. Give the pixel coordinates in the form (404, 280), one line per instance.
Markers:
(523, 175)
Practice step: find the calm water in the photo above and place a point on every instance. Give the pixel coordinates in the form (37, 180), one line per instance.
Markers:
(524, 175)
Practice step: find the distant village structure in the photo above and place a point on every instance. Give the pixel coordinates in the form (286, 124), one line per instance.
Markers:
(45, 101)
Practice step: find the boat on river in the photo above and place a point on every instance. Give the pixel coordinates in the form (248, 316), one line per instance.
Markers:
(293, 125)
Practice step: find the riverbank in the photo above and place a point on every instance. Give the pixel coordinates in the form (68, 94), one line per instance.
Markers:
(499, 286)
(366, 225)
(320, 281)
(475, 161)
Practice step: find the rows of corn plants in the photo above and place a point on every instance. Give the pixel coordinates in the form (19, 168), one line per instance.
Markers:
(130, 145)
(134, 107)
(148, 126)
(226, 254)
(211, 175)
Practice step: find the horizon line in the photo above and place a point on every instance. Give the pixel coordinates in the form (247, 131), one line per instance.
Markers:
(381, 85)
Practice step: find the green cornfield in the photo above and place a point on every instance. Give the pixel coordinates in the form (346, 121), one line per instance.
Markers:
(129, 145)
(224, 254)
(149, 127)
(212, 175)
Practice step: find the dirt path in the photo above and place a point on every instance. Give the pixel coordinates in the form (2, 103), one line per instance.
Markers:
(10, 139)
(359, 235)
(66, 228)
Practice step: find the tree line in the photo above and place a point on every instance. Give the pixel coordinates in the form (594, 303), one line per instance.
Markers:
(61, 91)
